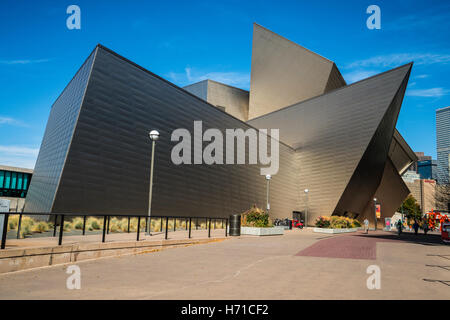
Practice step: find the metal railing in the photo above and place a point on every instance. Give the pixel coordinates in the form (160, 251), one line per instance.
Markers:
(106, 224)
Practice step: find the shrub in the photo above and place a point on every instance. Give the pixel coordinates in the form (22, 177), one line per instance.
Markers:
(13, 221)
(255, 217)
(93, 224)
(336, 222)
(323, 222)
(40, 227)
(77, 223)
(356, 223)
(67, 226)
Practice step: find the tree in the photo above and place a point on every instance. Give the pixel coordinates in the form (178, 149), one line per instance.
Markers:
(442, 197)
(411, 209)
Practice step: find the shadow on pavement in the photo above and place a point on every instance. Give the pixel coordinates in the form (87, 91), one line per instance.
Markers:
(427, 240)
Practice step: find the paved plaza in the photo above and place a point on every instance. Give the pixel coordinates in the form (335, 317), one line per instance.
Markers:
(298, 265)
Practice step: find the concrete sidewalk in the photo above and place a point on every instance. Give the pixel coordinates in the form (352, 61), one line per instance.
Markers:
(251, 268)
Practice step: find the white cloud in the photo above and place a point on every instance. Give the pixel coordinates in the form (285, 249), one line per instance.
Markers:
(422, 76)
(10, 121)
(24, 61)
(357, 75)
(232, 78)
(432, 92)
(397, 59)
(18, 156)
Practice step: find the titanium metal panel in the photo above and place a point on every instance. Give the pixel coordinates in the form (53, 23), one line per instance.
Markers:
(56, 142)
(284, 73)
(390, 194)
(401, 153)
(107, 167)
(331, 132)
(365, 180)
(233, 100)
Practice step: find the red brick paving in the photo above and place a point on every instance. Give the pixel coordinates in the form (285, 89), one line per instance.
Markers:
(355, 246)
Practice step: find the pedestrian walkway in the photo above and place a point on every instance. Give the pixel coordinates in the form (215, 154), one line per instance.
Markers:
(252, 268)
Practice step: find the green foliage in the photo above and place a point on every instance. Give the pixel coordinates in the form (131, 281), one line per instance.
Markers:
(336, 222)
(93, 224)
(255, 217)
(356, 224)
(323, 222)
(77, 223)
(411, 209)
(40, 227)
(67, 226)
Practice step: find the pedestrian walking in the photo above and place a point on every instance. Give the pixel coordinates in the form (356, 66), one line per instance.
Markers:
(425, 227)
(366, 226)
(399, 226)
(416, 227)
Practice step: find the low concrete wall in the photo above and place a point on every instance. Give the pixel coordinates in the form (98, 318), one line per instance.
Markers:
(22, 259)
(324, 230)
(262, 231)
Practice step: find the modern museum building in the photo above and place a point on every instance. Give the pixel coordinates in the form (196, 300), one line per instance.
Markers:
(337, 141)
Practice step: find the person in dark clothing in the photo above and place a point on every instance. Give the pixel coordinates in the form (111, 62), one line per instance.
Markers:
(425, 227)
(399, 226)
(416, 227)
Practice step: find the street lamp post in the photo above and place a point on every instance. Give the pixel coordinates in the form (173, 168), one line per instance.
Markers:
(306, 208)
(268, 177)
(154, 136)
(375, 211)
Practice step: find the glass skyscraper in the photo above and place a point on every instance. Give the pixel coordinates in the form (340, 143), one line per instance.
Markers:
(443, 144)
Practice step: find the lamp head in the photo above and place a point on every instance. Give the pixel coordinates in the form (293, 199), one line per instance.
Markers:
(306, 190)
(154, 135)
(268, 177)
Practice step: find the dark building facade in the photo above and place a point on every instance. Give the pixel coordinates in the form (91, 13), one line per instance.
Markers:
(342, 145)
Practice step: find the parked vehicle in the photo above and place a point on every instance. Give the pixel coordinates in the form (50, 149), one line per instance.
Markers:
(445, 232)
(297, 224)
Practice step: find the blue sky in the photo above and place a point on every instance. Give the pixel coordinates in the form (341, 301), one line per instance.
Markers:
(187, 41)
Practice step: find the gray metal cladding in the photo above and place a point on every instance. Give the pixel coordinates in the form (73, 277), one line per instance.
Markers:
(56, 141)
(331, 132)
(390, 194)
(401, 153)
(283, 73)
(367, 176)
(107, 166)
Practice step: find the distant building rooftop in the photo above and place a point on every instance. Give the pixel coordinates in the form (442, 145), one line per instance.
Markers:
(15, 169)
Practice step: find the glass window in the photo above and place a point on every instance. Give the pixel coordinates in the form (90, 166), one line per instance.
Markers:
(25, 181)
(2, 178)
(13, 180)
(19, 181)
(7, 180)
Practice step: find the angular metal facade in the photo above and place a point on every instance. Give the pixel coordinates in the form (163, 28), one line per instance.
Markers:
(338, 141)
(284, 73)
(342, 140)
(56, 142)
(107, 166)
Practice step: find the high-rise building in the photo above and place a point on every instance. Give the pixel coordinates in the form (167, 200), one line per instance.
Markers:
(443, 144)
